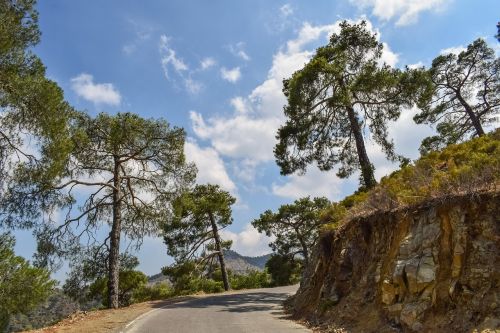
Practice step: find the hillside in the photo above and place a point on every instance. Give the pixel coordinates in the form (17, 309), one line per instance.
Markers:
(419, 253)
(235, 262)
(241, 264)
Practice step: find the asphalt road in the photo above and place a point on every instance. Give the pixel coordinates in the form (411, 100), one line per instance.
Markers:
(257, 310)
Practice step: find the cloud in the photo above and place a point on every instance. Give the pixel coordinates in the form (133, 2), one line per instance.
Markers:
(169, 57)
(389, 57)
(454, 50)
(210, 166)
(98, 93)
(230, 75)
(207, 63)
(248, 242)
(142, 33)
(406, 11)
(286, 10)
(238, 50)
(416, 65)
(314, 182)
(171, 62)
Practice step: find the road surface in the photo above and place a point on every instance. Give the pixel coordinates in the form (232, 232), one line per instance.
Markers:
(257, 310)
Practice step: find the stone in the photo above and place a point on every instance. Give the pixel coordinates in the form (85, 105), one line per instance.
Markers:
(388, 292)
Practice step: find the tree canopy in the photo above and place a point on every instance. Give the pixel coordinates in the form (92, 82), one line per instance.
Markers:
(463, 95)
(193, 230)
(340, 91)
(123, 173)
(30, 104)
(295, 226)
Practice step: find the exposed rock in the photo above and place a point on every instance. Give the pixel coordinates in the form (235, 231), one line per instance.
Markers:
(432, 268)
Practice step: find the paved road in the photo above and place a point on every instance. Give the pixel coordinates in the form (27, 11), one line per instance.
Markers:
(257, 310)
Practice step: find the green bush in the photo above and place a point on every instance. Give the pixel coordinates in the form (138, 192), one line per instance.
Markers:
(251, 280)
(284, 270)
(155, 292)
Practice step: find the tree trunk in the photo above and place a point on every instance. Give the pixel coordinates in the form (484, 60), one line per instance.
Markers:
(364, 161)
(218, 248)
(114, 248)
(472, 116)
(305, 250)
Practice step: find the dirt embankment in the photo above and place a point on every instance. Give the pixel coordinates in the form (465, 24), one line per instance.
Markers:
(431, 268)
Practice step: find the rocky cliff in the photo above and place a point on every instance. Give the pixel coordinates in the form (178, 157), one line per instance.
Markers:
(434, 267)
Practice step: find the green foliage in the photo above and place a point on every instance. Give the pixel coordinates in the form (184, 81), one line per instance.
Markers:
(461, 95)
(296, 226)
(131, 282)
(193, 230)
(342, 81)
(250, 280)
(29, 102)
(190, 228)
(22, 286)
(284, 270)
(86, 268)
(458, 169)
(155, 292)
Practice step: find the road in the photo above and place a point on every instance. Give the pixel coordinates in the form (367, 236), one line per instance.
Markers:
(257, 310)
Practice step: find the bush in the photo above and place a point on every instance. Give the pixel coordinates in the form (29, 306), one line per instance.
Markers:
(284, 270)
(251, 280)
(155, 292)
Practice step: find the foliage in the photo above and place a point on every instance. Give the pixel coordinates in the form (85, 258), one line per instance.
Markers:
(284, 270)
(131, 168)
(462, 95)
(57, 307)
(250, 280)
(130, 283)
(295, 226)
(31, 106)
(22, 286)
(458, 169)
(193, 230)
(342, 89)
(89, 266)
(157, 291)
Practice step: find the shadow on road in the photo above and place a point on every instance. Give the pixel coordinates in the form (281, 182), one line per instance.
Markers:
(239, 303)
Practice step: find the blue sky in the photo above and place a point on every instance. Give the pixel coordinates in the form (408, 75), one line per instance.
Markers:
(215, 68)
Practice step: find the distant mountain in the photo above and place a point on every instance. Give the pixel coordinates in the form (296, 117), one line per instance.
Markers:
(235, 262)
(241, 264)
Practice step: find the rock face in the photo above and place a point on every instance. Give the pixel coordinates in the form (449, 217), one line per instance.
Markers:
(432, 268)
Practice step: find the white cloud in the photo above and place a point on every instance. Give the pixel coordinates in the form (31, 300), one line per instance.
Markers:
(416, 65)
(389, 57)
(230, 75)
(99, 93)
(169, 57)
(240, 105)
(286, 10)
(454, 50)
(238, 50)
(170, 60)
(315, 183)
(210, 166)
(207, 63)
(248, 242)
(406, 11)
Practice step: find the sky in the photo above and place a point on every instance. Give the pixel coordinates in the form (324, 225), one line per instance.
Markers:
(216, 68)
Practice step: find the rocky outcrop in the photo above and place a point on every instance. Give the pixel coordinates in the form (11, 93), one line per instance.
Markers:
(431, 268)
